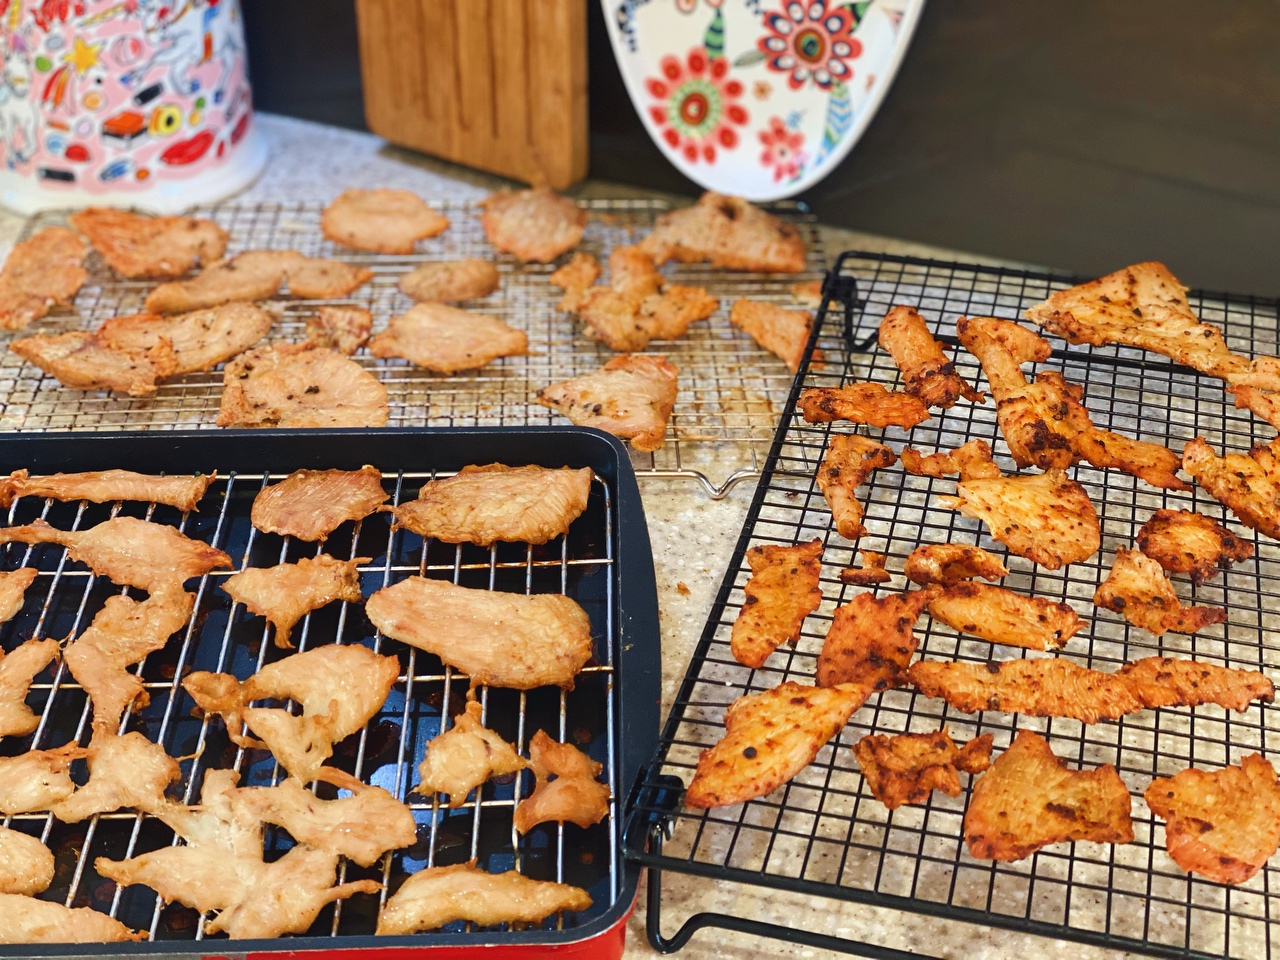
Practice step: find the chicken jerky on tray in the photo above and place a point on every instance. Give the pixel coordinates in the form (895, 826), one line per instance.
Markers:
(311, 504)
(18, 669)
(784, 333)
(1247, 485)
(781, 591)
(137, 246)
(574, 796)
(534, 225)
(1002, 616)
(287, 592)
(1185, 542)
(345, 329)
(871, 640)
(107, 486)
(868, 403)
(444, 339)
(728, 232)
(384, 221)
(451, 281)
(1137, 588)
(906, 768)
(256, 275)
(848, 462)
(26, 864)
(465, 756)
(31, 920)
(630, 396)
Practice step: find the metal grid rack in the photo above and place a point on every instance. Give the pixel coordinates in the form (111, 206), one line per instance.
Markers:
(731, 390)
(824, 833)
(223, 636)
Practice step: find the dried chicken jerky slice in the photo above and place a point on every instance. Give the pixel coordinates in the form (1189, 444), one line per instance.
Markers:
(669, 314)
(82, 361)
(384, 221)
(1222, 825)
(126, 772)
(30, 920)
(200, 340)
(849, 460)
(107, 486)
(575, 278)
(18, 668)
(929, 375)
(300, 385)
(730, 233)
(1138, 588)
(1047, 518)
(574, 796)
(26, 864)
(1002, 616)
(784, 333)
(872, 640)
(137, 246)
(769, 738)
(868, 403)
(870, 573)
(1185, 542)
(534, 225)
(13, 590)
(256, 275)
(41, 272)
(1264, 403)
(630, 396)
(633, 273)
(781, 591)
(445, 339)
(1029, 799)
(952, 562)
(311, 504)
(287, 592)
(971, 460)
(1249, 486)
(345, 329)
(906, 768)
(1026, 346)
(465, 756)
(450, 281)
(37, 779)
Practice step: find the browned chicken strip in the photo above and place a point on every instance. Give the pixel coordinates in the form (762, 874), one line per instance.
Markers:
(26, 864)
(574, 796)
(13, 590)
(730, 233)
(1139, 589)
(952, 562)
(630, 396)
(1029, 799)
(868, 403)
(433, 897)
(83, 361)
(37, 779)
(287, 592)
(1223, 825)
(311, 504)
(781, 591)
(30, 920)
(927, 372)
(534, 225)
(465, 756)
(906, 768)
(344, 329)
(107, 486)
(137, 246)
(870, 573)
(200, 340)
(784, 333)
(300, 385)
(18, 668)
(497, 639)
(871, 640)
(493, 503)
(971, 460)
(575, 278)
(849, 460)
(1185, 542)
(1249, 486)
(128, 551)
(256, 275)
(41, 272)
(1002, 616)
(124, 772)
(384, 221)
(450, 281)
(444, 339)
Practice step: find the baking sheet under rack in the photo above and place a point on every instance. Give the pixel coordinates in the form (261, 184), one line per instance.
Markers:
(223, 636)
(824, 833)
(731, 390)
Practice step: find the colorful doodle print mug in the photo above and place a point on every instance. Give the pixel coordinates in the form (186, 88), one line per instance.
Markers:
(760, 98)
(133, 102)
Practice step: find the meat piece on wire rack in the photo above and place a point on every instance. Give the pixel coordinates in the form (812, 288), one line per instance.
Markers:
(927, 372)
(630, 396)
(906, 768)
(1138, 589)
(311, 504)
(44, 271)
(384, 221)
(781, 591)
(138, 246)
(532, 225)
(1185, 542)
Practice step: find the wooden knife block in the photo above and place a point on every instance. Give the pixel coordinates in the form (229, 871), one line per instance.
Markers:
(496, 84)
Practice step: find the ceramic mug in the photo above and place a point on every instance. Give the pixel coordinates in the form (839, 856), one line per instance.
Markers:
(142, 103)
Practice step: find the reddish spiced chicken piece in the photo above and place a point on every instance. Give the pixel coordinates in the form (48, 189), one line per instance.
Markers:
(1185, 542)
(849, 460)
(1138, 589)
(927, 372)
(781, 591)
(906, 768)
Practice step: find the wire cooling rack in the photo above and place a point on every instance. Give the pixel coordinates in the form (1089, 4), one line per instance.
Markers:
(731, 390)
(824, 833)
(222, 636)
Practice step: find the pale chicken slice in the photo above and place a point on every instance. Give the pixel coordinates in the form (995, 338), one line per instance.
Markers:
(927, 372)
(18, 668)
(871, 640)
(849, 460)
(1247, 485)
(41, 272)
(450, 281)
(575, 278)
(669, 314)
(781, 591)
(344, 329)
(613, 318)
(128, 772)
(575, 795)
(129, 551)
(495, 502)
(26, 864)
(633, 273)
(285, 593)
(82, 361)
(630, 396)
(465, 756)
(29, 920)
(311, 504)
(1029, 799)
(37, 779)
(256, 275)
(952, 562)
(1138, 589)
(769, 738)
(868, 403)
(384, 221)
(1002, 616)
(140, 246)
(124, 631)
(300, 385)
(534, 225)
(339, 687)
(13, 590)
(1047, 518)
(436, 896)
(360, 827)
(1185, 542)
(730, 233)
(784, 333)
(107, 486)
(445, 339)
(497, 639)
(201, 339)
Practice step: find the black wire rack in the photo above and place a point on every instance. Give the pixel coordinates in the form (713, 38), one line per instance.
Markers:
(824, 833)
(731, 389)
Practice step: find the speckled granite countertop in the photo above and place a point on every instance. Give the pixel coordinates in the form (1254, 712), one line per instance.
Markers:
(692, 537)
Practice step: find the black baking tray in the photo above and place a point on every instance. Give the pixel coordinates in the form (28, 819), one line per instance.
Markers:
(629, 625)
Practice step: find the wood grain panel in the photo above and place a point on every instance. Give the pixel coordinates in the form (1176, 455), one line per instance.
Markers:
(496, 84)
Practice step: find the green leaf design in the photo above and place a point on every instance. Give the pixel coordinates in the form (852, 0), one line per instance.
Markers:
(859, 10)
(749, 59)
(713, 39)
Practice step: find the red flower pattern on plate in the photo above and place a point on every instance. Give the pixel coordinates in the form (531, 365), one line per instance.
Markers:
(698, 106)
(782, 150)
(810, 42)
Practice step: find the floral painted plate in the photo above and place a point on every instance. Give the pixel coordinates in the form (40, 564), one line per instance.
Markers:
(759, 98)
